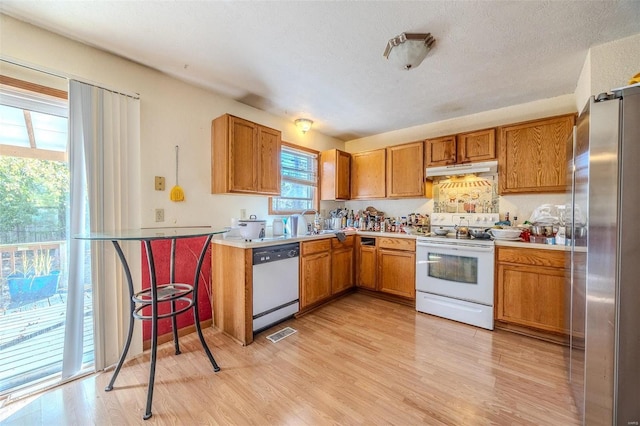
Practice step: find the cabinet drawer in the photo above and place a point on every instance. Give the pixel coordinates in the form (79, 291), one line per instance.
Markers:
(537, 257)
(335, 243)
(309, 247)
(397, 243)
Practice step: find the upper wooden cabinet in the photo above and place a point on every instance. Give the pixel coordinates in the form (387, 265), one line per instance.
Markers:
(335, 182)
(533, 155)
(476, 146)
(479, 145)
(405, 170)
(368, 178)
(440, 151)
(245, 157)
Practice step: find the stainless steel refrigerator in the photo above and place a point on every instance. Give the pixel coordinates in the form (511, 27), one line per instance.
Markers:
(604, 223)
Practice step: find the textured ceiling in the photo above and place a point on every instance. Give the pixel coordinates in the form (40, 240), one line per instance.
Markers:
(323, 60)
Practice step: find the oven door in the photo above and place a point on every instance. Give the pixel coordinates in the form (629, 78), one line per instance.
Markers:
(460, 272)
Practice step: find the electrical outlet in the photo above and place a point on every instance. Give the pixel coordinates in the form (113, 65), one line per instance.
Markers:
(243, 213)
(159, 183)
(159, 215)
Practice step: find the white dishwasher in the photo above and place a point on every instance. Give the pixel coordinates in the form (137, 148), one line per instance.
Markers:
(275, 284)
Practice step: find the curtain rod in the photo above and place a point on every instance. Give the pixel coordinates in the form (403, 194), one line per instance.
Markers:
(64, 76)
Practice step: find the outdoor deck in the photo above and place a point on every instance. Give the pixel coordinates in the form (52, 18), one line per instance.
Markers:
(32, 339)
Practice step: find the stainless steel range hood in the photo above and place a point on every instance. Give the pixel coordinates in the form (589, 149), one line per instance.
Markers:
(462, 169)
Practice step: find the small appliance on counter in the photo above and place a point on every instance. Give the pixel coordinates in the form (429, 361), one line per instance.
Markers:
(252, 228)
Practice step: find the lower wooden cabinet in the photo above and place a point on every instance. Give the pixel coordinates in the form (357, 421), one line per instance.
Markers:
(387, 265)
(397, 266)
(315, 282)
(366, 261)
(531, 288)
(397, 272)
(326, 269)
(342, 265)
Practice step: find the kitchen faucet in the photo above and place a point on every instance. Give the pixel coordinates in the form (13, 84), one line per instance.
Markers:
(316, 220)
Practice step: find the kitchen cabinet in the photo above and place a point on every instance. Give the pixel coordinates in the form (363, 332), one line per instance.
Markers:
(531, 288)
(342, 265)
(368, 177)
(366, 263)
(315, 272)
(335, 181)
(386, 265)
(397, 266)
(232, 288)
(405, 170)
(533, 155)
(479, 145)
(245, 157)
(326, 269)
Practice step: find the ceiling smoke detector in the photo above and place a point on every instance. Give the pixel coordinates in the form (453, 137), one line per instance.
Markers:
(408, 50)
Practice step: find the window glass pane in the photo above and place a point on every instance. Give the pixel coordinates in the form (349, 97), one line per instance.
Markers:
(50, 131)
(299, 170)
(13, 130)
(296, 190)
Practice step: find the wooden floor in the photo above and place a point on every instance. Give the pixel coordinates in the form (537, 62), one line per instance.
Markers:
(359, 360)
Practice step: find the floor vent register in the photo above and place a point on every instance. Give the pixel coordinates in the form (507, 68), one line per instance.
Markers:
(277, 336)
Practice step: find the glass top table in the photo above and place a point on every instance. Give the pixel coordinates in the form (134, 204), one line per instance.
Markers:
(181, 296)
(144, 234)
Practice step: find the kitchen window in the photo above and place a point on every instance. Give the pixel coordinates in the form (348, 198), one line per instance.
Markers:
(299, 181)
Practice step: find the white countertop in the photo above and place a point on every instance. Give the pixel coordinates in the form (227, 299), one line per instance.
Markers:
(273, 241)
(523, 244)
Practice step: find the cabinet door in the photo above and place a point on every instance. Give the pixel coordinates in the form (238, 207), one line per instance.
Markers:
(397, 272)
(405, 170)
(476, 146)
(315, 282)
(341, 269)
(268, 160)
(367, 261)
(533, 155)
(440, 151)
(532, 296)
(242, 155)
(335, 181)
(368, 174)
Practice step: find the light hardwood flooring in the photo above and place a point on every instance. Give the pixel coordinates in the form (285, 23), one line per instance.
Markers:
(358, 360)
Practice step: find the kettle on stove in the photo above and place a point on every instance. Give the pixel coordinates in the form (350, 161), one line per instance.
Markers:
(462, 229)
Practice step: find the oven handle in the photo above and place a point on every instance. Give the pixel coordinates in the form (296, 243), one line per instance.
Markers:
(477, 249)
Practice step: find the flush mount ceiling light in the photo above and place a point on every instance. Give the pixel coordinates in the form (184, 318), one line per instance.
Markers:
(408, 50)
(304, 124)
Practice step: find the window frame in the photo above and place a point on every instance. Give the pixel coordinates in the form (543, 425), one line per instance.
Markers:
(316, 186)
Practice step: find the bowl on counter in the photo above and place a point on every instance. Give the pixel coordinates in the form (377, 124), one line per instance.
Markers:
(505, 233)
(440, 231)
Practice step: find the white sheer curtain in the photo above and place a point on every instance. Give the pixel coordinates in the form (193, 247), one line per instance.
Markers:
(104, 157)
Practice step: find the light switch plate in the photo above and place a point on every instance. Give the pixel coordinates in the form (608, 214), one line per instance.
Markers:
(159, 183)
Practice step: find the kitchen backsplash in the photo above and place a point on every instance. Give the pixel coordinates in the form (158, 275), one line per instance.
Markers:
(466, 194)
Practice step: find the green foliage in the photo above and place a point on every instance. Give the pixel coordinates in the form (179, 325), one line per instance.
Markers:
(30, 186)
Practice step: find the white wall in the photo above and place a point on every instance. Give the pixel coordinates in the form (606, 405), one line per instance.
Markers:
(613, 64)
(172, 113)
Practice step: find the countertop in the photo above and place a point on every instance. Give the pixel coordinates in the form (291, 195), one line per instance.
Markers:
(273, 241)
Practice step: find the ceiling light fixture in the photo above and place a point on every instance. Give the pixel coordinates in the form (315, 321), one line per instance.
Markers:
(304, 124)
(408, 50)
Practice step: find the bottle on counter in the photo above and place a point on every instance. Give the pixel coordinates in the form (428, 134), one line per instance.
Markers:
(350, 219)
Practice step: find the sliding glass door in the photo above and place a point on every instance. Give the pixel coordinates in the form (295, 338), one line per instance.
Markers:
(34, 224)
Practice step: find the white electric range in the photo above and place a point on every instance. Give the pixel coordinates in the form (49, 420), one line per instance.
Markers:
(454, 277)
